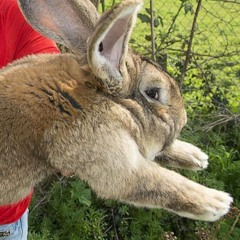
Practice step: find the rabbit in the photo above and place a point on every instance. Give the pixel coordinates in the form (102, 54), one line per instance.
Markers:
(104, 113)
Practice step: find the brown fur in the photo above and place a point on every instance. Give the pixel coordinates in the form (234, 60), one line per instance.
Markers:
(57, 115)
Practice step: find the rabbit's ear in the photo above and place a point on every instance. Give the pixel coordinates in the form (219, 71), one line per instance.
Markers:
(69, 22)
(108, 46)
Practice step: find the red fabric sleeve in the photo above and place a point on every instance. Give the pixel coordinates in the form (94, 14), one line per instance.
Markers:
(17, 38)
(11, 213)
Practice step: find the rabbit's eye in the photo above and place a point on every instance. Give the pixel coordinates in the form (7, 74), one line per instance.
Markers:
(153, 93)
(101, 47)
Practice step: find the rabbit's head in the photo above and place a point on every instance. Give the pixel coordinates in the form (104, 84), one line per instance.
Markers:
(101, 42)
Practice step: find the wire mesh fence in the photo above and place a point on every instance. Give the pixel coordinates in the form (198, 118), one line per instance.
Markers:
(197, 32)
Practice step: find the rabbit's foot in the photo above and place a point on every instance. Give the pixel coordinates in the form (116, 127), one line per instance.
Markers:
(183, 155)
(199, 158)
(213, 205)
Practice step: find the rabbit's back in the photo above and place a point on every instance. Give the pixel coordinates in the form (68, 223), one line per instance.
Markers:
(36, 93)
(32, 86)
(49, 105)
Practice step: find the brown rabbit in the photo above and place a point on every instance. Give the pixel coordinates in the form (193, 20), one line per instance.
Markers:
(103, 113)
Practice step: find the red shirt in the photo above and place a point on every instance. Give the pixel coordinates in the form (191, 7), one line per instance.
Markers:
(18, 39)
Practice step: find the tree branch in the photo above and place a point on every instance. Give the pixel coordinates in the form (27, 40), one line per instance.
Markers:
(171, 26)
(152, 32)
(188, 54)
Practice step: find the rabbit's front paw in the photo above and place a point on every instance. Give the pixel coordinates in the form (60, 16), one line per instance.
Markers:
(199, 158)
(189, 156)
(212, 205)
